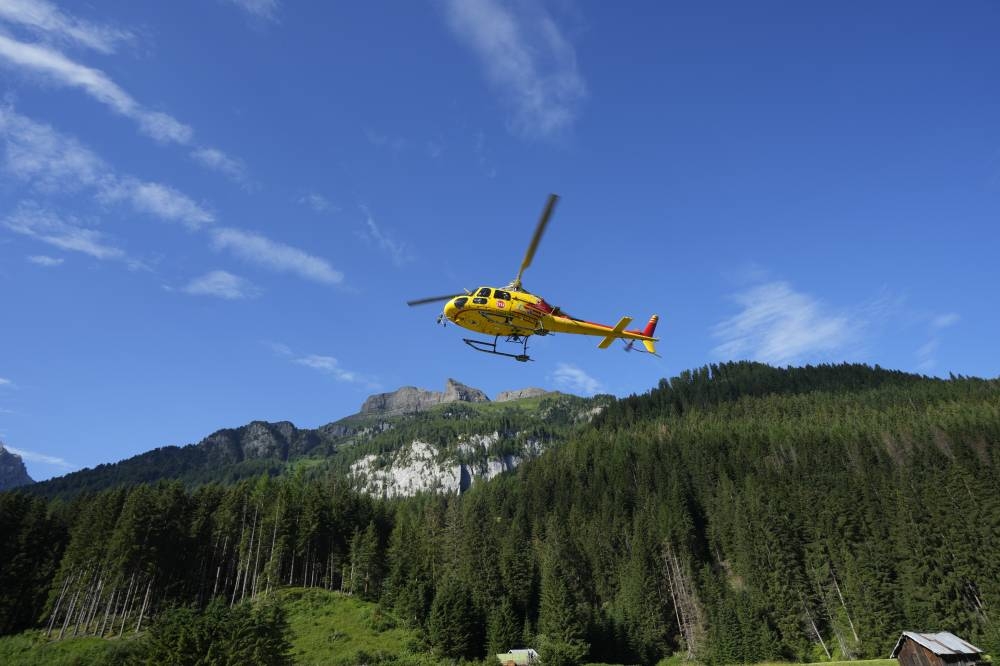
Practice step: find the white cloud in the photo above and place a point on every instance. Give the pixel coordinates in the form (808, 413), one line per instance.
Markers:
(575, 380)
(434, 149)
(223, 285)
(279, 348)
(42, 260)
(317, 202)
(379, 140)
(32, 456)
(217, 160)
(160, 201)
(50, 161)
(39, 155)
(264, 9)
(276, 256)
(65, 233)
(5, 382)
(945, 320)
(45, 18)
(526, 58)
(328, 365)
(94, 82)
(779, 325)
(396, 250)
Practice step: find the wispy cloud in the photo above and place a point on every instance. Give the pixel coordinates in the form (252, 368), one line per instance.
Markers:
(52, 163)
(222, 284)
(317, 202)
(65, 233)
(575, 380)
(46, 19)
(276, 256)
(434, 148)
(216, 160)
(927, 353)
(263, 9)
(48, 160)
(6, 382)
(37, 154)
(396, 250)
(777, 324)
(61, 70)
(527, 59)
(328, 365)
(32, 456)
(43, 260)
(159, 201)
(394, 144)
(945, 320)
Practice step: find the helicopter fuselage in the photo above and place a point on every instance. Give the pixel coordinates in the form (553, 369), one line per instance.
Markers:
(508, 312)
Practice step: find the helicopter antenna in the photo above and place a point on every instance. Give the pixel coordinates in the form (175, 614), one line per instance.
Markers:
(543, 221)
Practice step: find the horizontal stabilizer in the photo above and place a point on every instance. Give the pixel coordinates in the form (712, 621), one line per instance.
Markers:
(619, 327)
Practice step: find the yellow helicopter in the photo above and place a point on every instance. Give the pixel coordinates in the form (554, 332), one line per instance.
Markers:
(516, 314)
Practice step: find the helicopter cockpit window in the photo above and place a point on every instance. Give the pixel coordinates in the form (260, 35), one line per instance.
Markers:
(502, 295)
(484, 292)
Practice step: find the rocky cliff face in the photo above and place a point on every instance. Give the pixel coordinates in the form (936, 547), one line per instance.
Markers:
(12, 471)
(411, 399)
(258, 439)
(420, 467)
(520, 394)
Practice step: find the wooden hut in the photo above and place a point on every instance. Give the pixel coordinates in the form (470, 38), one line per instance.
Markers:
(519, 657)
(940, 649)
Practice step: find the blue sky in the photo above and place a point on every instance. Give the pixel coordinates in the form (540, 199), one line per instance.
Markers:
(213, 212)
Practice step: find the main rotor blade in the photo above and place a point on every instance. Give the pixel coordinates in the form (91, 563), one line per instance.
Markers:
(432, 299)
(543, 221)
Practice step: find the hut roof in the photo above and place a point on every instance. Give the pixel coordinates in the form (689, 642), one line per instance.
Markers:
(942, 643)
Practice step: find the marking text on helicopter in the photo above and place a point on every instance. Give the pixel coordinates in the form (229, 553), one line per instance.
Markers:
(516, 314)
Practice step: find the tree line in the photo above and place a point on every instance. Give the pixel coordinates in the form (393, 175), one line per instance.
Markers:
(735, 513)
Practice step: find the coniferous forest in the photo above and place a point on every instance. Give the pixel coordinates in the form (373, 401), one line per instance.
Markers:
(736, 513)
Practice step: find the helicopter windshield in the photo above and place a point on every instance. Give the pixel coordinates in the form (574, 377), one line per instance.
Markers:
(484, 292)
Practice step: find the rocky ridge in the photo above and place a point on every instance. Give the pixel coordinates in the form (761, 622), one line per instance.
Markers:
(409, 399)
(13, 473)
(521, 394)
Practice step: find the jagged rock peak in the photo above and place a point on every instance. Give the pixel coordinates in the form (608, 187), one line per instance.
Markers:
(532, 392)
(410, 399)
(13, 474)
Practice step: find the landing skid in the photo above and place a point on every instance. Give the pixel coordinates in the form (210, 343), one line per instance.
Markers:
(488, 347)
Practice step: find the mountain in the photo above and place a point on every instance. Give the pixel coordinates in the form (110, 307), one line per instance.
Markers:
(399, 443)
(13, 474)
(409, 399)
(736, 513)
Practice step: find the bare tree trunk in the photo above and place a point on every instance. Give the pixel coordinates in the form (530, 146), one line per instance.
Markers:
(218, 570)
(55, 611)
(813, 625)
(145, 600)
(236, 554)
(107, 610)
(246, 570)
(687, 609)
(125, 604)
(849, 621)
(69, 614)
(96, 605)
(274, 538)
(256, 564)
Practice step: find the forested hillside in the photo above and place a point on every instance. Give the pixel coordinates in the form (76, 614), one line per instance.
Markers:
(736, 513)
